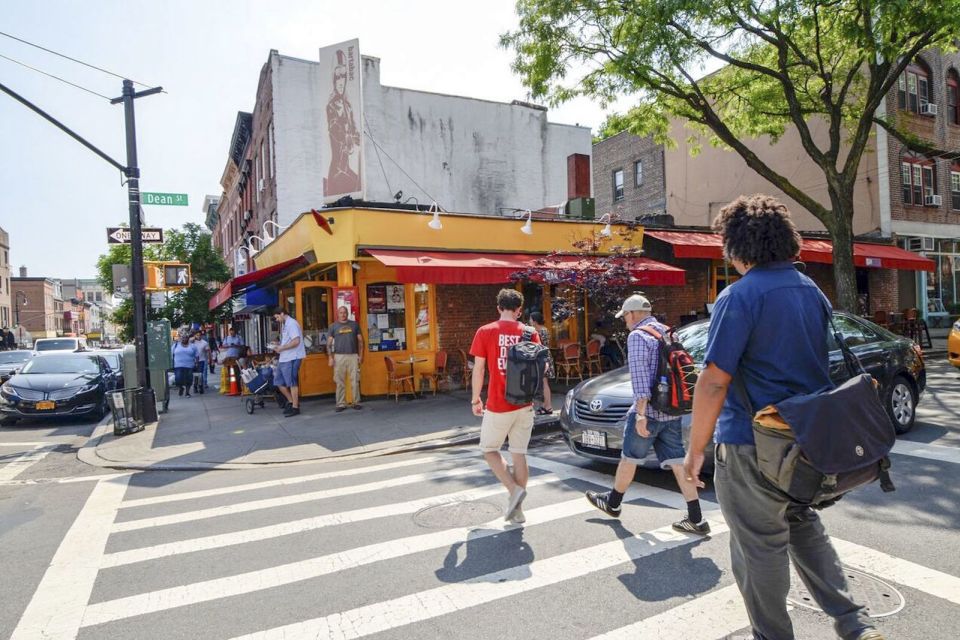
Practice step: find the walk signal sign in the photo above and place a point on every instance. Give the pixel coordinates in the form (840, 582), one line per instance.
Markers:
(166, 276)
(177, 276)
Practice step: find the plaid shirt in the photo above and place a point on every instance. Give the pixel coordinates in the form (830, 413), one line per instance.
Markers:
(643, 352)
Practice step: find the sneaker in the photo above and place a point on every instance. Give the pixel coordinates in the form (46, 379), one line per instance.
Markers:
(188, 394)
(602, 501)
(292, 411)
(870, 634)
(516, 499)
(689, 526)
(339, 409)
(356, 406)
(518, 517)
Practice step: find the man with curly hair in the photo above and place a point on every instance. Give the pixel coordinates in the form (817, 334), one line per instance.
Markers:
(746, 344)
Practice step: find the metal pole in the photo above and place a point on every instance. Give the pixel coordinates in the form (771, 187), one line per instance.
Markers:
(136, 245)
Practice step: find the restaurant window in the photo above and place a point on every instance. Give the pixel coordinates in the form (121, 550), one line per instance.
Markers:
(386, 317)
(722, 275)
(955, 187)
(953, 97)
(421, 305)
(618, 185)
(316, 318)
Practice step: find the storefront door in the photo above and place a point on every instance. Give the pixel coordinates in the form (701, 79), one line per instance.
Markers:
(315, 313)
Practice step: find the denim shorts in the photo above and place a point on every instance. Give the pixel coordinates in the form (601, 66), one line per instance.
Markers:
(288, 374)
(666, 437)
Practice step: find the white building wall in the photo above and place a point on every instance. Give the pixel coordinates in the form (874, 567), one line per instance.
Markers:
(471, 156)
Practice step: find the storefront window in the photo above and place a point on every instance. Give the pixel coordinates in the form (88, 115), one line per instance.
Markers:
(722, 276)
(421, 300)
(316, 318)
(942, 286)
(386, 317)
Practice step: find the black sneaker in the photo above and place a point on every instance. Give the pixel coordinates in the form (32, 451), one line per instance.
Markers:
(180, 392)
(602, 501)
(292, 411)
(339, 409)
(356, 406)
(689, 526)
(870, 634)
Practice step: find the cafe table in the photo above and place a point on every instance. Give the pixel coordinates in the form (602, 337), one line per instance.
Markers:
(412, 360)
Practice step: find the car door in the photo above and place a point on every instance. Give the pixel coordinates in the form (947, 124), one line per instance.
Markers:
(864, 342)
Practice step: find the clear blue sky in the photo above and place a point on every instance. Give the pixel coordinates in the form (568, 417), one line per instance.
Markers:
(57, 198)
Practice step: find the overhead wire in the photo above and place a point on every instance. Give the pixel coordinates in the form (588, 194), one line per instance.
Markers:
(409, 177)
(366, 127)
(66, 57)
(50, 75)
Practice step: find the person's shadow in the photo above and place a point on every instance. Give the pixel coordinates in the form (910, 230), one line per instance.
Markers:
(484, 554)
(669, 574)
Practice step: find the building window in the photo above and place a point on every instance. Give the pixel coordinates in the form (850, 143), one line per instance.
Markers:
(638, 173)
(955, 187)
(913, 88)
(618, 185)
(918, 178)
(953, 97)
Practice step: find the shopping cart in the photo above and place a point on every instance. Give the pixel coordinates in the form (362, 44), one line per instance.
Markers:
(258, 387)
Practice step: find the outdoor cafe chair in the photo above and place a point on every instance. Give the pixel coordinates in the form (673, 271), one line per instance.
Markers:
(593, 357)
(466, 368)
(397, 382)
(439, 373)
(569, 362)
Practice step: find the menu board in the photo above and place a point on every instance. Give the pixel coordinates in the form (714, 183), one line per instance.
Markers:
(386, 317)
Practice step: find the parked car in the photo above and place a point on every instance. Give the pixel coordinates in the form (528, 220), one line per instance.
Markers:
(11, 361)
(953, 344)
(59, 344)
(593, 412)
(58, 384)
(114, 358)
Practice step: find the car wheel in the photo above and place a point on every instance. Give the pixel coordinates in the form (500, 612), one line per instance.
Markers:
(901, 404)
(8, 422)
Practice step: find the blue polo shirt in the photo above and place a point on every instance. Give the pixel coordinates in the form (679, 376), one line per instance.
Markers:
(769, 329)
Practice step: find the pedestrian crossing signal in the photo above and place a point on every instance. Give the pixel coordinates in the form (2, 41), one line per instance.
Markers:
(176, 276)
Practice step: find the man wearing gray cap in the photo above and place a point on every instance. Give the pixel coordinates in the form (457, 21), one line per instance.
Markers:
(645, 426)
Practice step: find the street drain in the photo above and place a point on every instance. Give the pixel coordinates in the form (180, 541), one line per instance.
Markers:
(457, 514)
(878, 598)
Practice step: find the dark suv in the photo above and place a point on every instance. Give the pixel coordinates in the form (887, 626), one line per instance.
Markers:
(593, 412)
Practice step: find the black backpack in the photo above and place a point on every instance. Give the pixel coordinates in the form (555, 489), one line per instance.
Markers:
(526, 368)
(672, 389)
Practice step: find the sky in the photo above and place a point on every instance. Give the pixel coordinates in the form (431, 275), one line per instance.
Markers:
(57, 198)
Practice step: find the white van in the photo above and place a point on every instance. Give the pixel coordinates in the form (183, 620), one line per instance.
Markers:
(46, 345)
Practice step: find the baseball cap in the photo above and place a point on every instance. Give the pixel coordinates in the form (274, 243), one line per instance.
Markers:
(636, 302)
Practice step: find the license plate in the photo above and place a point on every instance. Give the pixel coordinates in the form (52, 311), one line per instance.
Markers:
(46, 404)
(597, 439)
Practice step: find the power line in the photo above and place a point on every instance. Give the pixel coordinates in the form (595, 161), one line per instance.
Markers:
(379, 159)
(62, 55)
(50, 75)
(367, 131)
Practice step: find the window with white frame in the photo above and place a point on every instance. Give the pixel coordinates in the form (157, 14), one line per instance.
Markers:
(618, 185)
(913, 88)
(953, 97)
(918, 180)
(955, 187)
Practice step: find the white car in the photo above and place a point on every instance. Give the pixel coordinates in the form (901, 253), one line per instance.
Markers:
(46, 345)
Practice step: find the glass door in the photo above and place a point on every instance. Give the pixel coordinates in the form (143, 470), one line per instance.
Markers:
(314, 309)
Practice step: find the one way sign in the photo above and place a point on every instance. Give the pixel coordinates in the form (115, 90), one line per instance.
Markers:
(121, 235)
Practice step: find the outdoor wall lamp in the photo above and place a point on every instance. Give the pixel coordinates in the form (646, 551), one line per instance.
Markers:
(254, 250)
(606, 232)
(435, 224)
(527, 228)
(266, 235)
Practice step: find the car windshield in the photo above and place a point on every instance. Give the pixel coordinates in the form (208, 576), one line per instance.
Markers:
(62, 364)
(113, 359)
(55, 345)
(694, 339)
(14, 357)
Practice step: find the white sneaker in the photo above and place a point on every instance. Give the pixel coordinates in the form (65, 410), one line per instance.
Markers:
(518, 517)
(516, 499)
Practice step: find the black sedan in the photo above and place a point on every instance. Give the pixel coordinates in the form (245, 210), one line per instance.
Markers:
(11, 361)
(62, 384)
(593, 412)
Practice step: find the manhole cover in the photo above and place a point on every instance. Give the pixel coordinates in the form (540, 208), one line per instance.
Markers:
(457, 514)
(878, 598)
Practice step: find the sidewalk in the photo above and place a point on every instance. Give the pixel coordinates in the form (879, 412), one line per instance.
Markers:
(213, 431)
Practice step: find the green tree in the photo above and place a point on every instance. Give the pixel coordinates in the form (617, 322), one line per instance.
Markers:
(784, 63)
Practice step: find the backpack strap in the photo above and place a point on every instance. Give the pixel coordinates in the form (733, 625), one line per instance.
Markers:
(651, 331)
(527, 335)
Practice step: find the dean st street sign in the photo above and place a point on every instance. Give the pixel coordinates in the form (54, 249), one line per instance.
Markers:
(171, 199)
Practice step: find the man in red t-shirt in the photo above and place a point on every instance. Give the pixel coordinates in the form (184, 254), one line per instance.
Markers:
(502, 420)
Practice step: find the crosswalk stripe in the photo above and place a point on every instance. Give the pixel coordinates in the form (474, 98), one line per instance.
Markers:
(119, 558)
(432, 603)
(928, 451)
(910, 574)
(273, 577)
(268, 503)
(56, 608)
(24, 444)
(707, 617)
(326, 475)
(25, 460)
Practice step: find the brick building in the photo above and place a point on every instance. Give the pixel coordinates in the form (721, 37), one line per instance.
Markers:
(6, 295)
(41, 305)
(628, 178)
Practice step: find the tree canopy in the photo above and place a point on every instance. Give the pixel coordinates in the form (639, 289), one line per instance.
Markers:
(738, 69)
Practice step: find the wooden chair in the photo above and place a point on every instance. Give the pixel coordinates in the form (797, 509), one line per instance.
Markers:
(915, 328)
(882, 318)
(466, 371)
(395, 381)
(593, 357)
(439, 373)
(569, 362)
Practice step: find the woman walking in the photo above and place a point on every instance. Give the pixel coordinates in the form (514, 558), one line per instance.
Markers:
(184, 357)
(536, 319)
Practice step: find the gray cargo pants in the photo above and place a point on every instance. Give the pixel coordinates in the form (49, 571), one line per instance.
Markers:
(765, 527)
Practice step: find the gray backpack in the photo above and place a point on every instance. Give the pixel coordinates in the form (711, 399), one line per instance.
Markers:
(527, 363)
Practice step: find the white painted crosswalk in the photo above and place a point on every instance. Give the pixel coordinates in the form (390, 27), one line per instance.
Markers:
(105, 583)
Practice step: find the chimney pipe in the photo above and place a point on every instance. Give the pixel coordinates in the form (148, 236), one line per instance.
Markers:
(23, 271)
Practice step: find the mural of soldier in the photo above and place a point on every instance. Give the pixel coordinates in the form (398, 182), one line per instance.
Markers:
(344, 136)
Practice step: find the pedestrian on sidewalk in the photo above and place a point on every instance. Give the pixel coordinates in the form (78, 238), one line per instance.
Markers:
(645, 426)
(233, 350)
(203, 358)
(345, 346)
(501, 419)
(184, 358)
(546, 408)
(291, 352)
(746, 346)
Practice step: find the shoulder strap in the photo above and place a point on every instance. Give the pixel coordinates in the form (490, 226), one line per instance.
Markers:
(527, 333)
(852, 361)
(650, 330)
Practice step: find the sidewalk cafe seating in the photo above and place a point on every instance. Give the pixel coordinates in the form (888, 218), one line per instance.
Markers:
(397, 382)
(569, 361)
(593, 358)
(466, 368)
(915, 328)
(439, 373)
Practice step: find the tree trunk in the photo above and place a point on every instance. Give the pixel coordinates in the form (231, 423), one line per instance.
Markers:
(844, 271)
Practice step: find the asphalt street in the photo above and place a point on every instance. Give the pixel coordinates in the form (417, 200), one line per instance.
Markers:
(413, 546)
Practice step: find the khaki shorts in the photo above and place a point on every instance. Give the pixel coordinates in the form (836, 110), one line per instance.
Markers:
(513, 425)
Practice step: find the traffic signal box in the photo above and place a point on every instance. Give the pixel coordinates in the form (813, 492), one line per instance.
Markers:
(166, 276)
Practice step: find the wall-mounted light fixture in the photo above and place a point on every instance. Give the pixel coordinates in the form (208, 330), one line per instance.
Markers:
(266, 234)
(435, 224)
(606, 232)
(527, 227)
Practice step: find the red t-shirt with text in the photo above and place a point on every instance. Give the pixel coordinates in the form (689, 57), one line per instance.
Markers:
(491, 343)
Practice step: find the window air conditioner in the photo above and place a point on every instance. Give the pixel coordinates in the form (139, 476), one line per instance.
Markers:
(932, 201)
(926, 244)
(928, 109)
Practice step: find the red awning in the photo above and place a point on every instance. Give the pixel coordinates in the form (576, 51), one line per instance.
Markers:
(248, 280)
(865, 254)
(447, 267)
